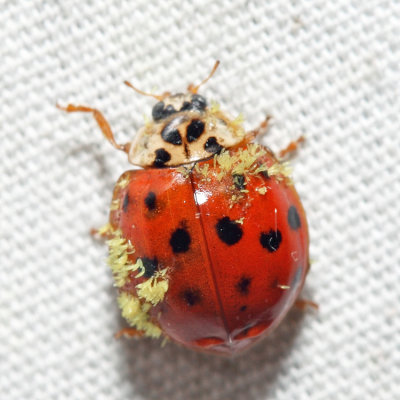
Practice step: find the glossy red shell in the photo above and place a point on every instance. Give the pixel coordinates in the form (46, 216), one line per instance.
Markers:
(240, 267)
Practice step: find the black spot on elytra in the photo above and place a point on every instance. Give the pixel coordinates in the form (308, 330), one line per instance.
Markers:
(125, 203)
(194, 130)
(191, 296)
(212, 146)
(239, 181)
(271, 240)
(265, 173)
(274, 284)
(243, 286)
(186, 106)
(243, 308)
(293, 218)
(171, 135)
(228, 231)
(150, 201)
(150, 266)
(180, 240)
(162, 156)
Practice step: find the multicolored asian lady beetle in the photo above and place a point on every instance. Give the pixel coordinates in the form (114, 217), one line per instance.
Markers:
(208, 242)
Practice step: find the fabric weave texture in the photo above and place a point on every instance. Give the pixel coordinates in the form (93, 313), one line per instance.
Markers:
(328, 70)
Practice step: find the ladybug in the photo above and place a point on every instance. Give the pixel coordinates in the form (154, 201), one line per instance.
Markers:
(208, 240)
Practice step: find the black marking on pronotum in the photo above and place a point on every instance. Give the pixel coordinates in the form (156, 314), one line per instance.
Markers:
(157, 111)
(125, 203)
(191, 296)
(186, 106)
(271, 240)
(180, 241)
(150, 201)
(194, 130)
(186, 149)
(160, 111)
(150, 266)
(243, 308)
(162, 156)
(212, 146)
(243, 285)
(171, 135)
(239, 181)
(199, 102)
(228, 231)
(293, 218)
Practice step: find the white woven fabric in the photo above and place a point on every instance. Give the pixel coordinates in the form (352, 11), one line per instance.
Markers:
(329, 70)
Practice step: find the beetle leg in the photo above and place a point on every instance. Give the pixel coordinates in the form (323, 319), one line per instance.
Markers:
(129, 333)
(302, 304)
(259, 131)
(100, 234)
(194, 89)
(291, 147)
(101, 121)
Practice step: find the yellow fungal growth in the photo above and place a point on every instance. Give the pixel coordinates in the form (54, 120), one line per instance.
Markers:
(150, 292)
(238, 120)
(202, 171)
(241, 162)
(237, 125)
(235, 199)
(259, 169)
(184, 171)
(118, 258)
(280, 171)
(215, 107)
(137, 314)
(147, 119)
(105, 230)
(244, 162)
(123, 182)
(115, 205)
(262, 190)
(240, 221)
(153, 289)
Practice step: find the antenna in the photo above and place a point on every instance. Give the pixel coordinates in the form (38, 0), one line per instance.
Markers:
(157, 97)
(194, 89)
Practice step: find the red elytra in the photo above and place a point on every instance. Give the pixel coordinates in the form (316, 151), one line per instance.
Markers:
(236, 270)
(209, 242)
